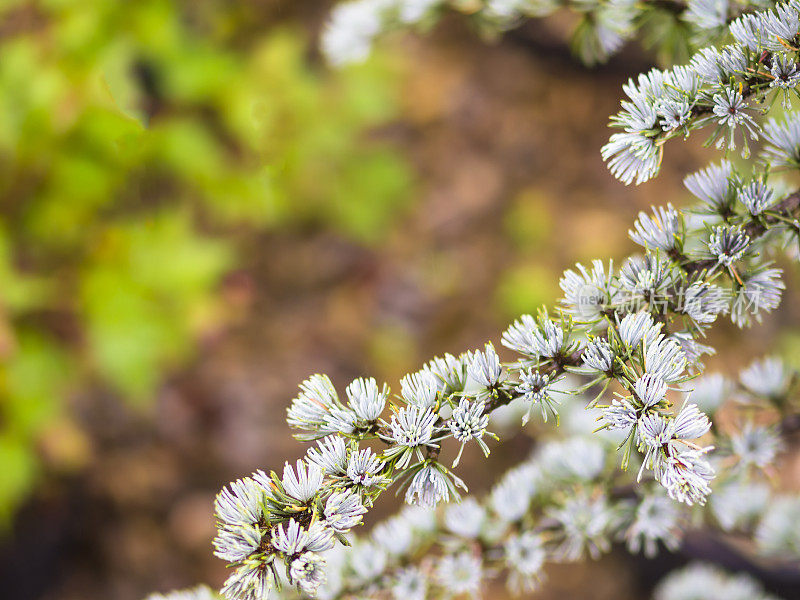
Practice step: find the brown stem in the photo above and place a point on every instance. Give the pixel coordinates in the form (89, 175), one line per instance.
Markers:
(789, 425)
(787, 208)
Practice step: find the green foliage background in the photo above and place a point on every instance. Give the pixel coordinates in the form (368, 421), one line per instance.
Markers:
(139, 144)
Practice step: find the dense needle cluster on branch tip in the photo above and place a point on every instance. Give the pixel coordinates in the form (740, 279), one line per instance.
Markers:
(630, 336)
(617, 361)
(603, 27)
(726, 88)
(567, 501)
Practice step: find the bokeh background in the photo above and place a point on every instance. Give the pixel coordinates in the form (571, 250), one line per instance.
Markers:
(198, 213)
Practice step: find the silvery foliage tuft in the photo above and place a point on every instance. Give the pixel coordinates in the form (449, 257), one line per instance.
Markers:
(598, 356)
(587, 294)
(365, 469)
(469, 422)
(524, 555)
(655, 520)
(432, 484)
(302, 481)
(581, 524)
(411, 430)
(420, 389)
(766, 377)
(712, 186)
(756, 197)
(698, 580)
(537, 388)
(759, 66)
(755, 445)
(737, 504)
(331, 455)
(460, 574)
(343, 511)
(394, 536)
(777, 533)
(728, 244)
(410, 584)
(535, 338)
(660, 231)
(308, 571)
(586, 524)
(465, 519)
(366, 400)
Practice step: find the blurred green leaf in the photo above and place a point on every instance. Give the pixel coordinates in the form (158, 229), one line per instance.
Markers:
(137, 295)
(525, 287)
(143, 143)
(16, 476)
(34, 378)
